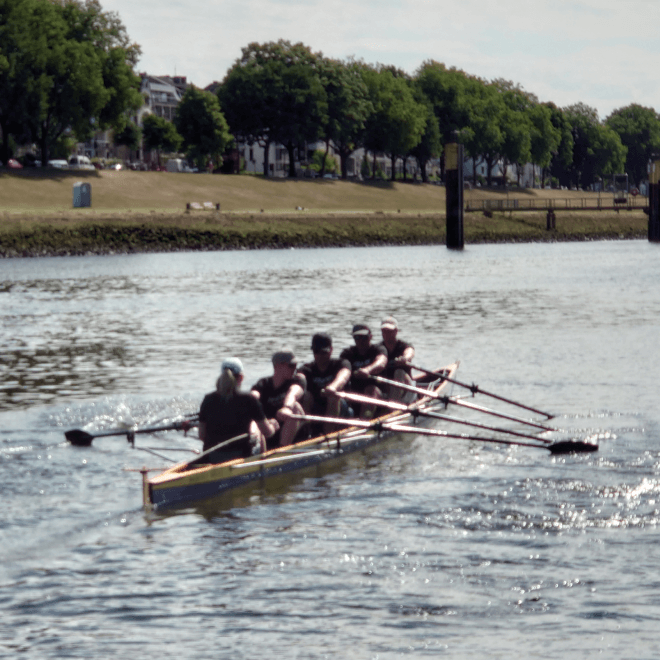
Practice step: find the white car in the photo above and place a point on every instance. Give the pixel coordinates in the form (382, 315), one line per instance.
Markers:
(58, 164)
(80, 163)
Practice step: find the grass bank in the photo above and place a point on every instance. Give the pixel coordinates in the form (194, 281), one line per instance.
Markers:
(145, 211)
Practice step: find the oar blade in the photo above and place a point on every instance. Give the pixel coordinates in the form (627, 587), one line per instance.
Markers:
(79, 438)
(572, 447)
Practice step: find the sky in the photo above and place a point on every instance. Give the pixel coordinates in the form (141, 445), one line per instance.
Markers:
(603, 53)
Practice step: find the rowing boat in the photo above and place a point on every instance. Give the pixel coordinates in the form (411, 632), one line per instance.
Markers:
(188, 482)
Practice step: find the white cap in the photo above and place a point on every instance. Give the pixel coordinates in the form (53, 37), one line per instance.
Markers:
(234, 364)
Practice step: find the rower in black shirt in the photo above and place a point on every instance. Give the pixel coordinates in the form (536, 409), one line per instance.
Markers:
(227, 413)
(325, 376)
(366, 359)
(280, 396)
(399, 355)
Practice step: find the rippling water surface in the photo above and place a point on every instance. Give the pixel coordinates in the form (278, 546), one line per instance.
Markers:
(431, 548)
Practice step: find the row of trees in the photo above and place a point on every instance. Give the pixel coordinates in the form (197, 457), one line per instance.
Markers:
(282, 92)
(68, 66)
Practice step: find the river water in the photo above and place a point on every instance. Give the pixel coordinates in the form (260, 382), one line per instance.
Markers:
(432, 548)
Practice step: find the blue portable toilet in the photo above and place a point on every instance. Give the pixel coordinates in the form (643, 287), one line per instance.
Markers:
(82, 194)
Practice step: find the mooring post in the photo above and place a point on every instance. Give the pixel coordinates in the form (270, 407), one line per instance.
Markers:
(454, 192)
(654, 202)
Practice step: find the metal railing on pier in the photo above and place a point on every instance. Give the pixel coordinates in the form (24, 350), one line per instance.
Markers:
(568, 204)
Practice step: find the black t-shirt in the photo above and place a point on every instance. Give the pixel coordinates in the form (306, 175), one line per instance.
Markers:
(227, 418)
(317, 380)
(358, 361)
(398, 350)
(272, 397)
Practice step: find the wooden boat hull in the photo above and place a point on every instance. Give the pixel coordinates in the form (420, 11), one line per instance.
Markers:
(182, 484)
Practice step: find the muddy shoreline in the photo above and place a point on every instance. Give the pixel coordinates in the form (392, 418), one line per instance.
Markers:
(94, 234)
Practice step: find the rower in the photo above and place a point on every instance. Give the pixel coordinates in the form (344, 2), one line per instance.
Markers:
(366, 360)
(325, 377)
(227, 413)
(399, 355)
(280, 396)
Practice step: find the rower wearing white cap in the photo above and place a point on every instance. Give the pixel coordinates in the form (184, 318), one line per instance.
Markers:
(280, 396)
(399, 354)
(228, 413)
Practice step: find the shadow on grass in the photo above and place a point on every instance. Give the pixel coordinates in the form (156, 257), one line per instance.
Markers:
(380, 184)
(52, 173)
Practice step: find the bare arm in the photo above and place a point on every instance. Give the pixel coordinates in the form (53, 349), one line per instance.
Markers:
(294, 394)
(407, 356)
(372, 369)
(268, 427)
(340, 381)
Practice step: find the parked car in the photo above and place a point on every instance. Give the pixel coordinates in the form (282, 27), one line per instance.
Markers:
(13, 164)
(58, 164)
(80, 163)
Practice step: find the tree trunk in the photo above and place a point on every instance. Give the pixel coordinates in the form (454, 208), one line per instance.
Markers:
(489, 171)
(373, 169)
(422, 166)
(343, 164)
(4, 152)
(393, 163)
(266, 147)
(292, 164)
(325, 156)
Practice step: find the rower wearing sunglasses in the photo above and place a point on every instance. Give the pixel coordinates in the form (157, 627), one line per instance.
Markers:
(280, 396)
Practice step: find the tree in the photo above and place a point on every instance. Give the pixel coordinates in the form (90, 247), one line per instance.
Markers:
(70, 69)
(516, 125)
(348, 107)
(202, 127)
(639, 130)
(545, 138)
(130, 136)
(160, 135)
(397, 123)
(450, 92)
(26, 28)
(562, 158)
(430, 145)
(597, 149)
(483, 137)
(278, 87)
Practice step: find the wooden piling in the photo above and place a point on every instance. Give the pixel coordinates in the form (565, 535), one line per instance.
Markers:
(654, 202)
(454, 194)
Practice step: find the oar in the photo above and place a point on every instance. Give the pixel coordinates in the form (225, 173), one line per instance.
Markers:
(81, 438)
(393, 405)
(220, 445)
(465, 404)
(363, 424)
(475, 389)
(562, 447)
